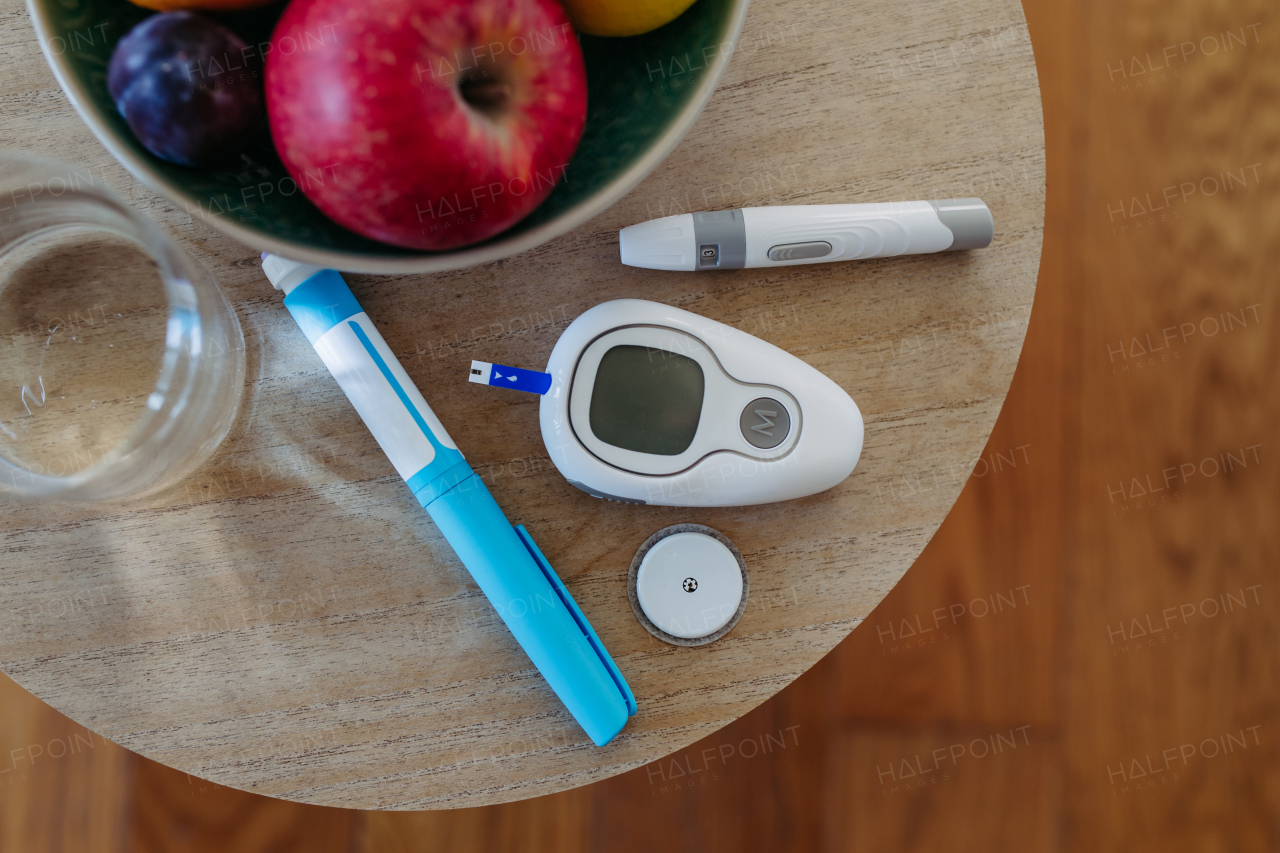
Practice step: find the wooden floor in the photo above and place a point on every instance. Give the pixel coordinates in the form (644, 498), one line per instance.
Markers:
(1085, 658)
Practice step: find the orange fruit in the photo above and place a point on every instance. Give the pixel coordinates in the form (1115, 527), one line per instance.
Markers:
(622, 17)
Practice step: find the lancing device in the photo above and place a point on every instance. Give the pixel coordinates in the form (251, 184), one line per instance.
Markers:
(805, 234)
(503, 560)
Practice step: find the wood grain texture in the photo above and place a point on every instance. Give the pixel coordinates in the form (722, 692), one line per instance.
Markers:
(174, 811)
(65, 788)
(1049, 664)
(554, 824)
(1176, 644)
(945, 788)
(288, 622)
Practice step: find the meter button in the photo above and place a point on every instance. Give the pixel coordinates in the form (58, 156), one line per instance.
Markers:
(764, 423)
(800, 251)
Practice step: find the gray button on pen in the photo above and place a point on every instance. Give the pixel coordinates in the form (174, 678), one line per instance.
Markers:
(800, 251)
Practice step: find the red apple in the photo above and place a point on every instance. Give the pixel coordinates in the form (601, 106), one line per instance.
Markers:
(429, 124)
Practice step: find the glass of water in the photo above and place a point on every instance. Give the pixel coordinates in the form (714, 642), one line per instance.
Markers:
(121, 362)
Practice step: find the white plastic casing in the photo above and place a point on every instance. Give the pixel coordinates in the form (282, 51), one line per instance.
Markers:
(855, 232)
(285, 274)
(683, 609)
(719, 396)
(821, 449)
(391, 420)
(660, 244)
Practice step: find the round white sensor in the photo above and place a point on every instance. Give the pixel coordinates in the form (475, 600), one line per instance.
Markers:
(689, 585)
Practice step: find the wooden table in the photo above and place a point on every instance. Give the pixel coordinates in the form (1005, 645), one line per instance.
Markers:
(288, 621)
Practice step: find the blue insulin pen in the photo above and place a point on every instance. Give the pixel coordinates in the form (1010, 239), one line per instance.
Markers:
(503, 560)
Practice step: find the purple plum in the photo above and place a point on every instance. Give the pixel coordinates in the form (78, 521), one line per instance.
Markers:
(189, 88)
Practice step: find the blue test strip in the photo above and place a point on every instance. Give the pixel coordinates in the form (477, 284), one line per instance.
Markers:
(487, 373)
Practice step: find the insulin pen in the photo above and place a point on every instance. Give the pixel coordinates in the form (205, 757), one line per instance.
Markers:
(805, 234)
(503, 560)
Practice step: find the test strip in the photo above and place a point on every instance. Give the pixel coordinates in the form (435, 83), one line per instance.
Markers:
(502, 376)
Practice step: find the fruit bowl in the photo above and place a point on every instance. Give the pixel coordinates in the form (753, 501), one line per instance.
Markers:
(643, 95)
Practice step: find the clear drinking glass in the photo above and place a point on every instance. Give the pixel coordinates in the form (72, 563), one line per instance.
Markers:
(121, 362)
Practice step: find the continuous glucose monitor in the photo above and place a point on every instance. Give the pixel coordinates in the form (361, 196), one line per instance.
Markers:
(651, 404)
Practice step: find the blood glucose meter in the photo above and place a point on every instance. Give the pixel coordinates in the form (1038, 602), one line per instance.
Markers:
(651, 404)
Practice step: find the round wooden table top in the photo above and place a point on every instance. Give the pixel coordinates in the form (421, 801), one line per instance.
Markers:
(288, 620)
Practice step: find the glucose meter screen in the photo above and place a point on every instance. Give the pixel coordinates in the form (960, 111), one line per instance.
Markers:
(647, 400)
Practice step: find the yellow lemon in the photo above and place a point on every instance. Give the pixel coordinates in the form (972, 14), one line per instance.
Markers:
(622, 17)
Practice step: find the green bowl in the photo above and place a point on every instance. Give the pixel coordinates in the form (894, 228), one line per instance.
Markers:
(643, 95)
